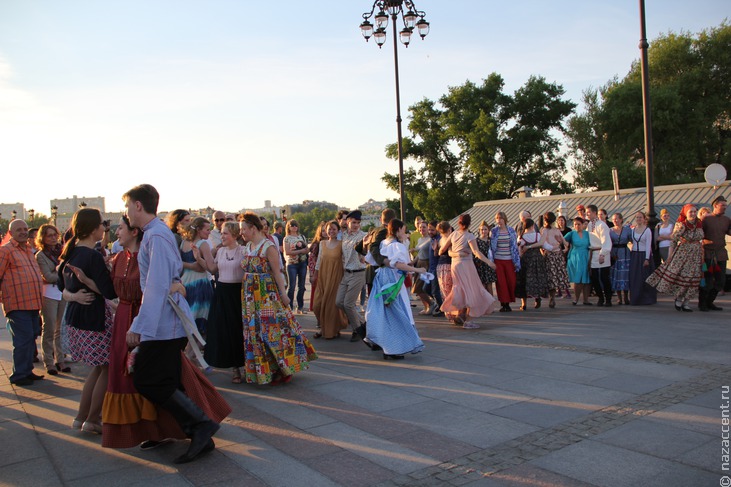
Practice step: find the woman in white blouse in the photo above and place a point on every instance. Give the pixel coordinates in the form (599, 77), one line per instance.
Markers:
(641, 264)
(664, 234)
(225, 338)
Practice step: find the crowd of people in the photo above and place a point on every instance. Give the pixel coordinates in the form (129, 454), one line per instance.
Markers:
(176, 297)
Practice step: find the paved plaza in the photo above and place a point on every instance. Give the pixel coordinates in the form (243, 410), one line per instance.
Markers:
(572, 396)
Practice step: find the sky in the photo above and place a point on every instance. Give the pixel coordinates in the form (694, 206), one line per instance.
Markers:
(231, 103)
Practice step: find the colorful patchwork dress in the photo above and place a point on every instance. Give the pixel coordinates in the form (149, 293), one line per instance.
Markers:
(274, 345)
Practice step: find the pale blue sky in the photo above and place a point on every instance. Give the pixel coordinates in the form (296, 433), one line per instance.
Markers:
(230, 103)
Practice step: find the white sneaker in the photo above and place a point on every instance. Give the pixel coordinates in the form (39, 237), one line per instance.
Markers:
(470, 325)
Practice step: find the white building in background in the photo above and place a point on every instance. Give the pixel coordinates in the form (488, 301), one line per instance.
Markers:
(268, 208)
(372, 206)
(68, 206)
(7, 209)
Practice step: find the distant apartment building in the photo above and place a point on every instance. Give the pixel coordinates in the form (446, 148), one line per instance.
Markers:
(269, 209)
(7, 209)
(68, 206)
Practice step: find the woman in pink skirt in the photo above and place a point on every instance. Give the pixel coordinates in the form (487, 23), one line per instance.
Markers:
(468, 297)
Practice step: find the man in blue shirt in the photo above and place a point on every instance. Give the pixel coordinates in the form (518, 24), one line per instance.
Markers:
(156, 330)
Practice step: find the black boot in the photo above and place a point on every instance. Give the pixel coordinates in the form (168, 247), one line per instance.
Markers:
(703, 299)
(194, 423)
(711, 297)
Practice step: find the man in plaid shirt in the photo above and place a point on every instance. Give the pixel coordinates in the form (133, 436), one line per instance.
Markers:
(22, 290)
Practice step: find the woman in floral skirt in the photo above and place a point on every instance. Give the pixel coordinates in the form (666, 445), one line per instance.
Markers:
(681, 274)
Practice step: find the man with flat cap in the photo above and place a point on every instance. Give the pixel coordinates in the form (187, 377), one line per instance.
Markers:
(715, 228)
(354, 277)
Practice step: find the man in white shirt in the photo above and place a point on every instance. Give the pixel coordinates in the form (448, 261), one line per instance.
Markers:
(354, 277)
(600, 258)
(214, 239)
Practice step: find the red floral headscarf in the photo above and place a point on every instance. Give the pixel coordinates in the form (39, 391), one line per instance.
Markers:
(683, 217)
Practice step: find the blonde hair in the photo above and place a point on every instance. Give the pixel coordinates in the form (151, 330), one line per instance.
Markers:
(233, 228)
(287, 229)
(190, 232)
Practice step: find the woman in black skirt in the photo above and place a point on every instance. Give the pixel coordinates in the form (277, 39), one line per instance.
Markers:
(641, 264)
(225, 338)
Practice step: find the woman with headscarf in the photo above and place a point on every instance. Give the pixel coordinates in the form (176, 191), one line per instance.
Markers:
(680, 275)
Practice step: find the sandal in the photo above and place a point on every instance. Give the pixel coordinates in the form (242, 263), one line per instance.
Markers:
(236, 379)
(90, 427)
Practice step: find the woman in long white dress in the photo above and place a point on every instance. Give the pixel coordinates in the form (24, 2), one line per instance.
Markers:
(390, 321)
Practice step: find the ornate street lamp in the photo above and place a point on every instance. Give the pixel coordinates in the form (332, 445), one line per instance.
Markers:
(31, 214)
(411, 19)
(82, 204)
(54, 214)
(13, 215)
(649, 178)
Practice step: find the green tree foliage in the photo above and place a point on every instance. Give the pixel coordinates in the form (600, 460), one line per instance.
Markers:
(479, 143)
(310, 220)
(690, 95)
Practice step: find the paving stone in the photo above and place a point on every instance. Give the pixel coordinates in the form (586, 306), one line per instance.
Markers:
(596, 463)
(375, 449)
(541, 412)
(660, 440)
(40, 469)
(347, 468)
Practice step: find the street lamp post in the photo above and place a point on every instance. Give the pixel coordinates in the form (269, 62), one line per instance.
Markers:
(649, 180)
(412, 18)
(54, 214)
(31, 215)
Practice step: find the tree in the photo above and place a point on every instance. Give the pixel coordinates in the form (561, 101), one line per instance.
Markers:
(309, 221)
(479, 143)
(690, 94)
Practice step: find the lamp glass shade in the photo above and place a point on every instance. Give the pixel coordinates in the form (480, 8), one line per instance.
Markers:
(366, 28)
(381, 20)
(405, 36)
(380, 36)
(410, 19)
(423, 27)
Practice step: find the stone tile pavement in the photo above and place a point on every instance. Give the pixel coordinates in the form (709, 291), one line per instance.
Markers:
(572, 396)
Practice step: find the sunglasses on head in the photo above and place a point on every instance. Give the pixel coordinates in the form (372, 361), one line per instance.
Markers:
(219, 220)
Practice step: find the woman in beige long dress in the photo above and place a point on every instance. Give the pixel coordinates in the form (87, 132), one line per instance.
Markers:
(329, 269)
